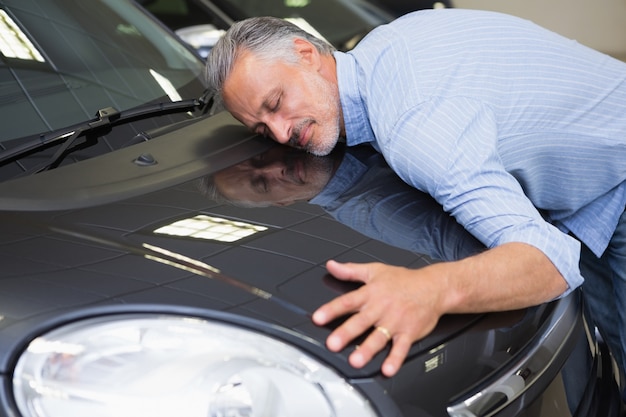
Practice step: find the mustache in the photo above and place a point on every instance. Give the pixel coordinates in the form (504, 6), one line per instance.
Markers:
(294, 140)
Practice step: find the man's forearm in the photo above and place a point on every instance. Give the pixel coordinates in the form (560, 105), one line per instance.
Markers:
(511, 276)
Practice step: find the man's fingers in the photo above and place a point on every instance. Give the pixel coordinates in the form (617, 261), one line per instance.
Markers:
(348, 271)
(386, 310)
(399, 350)
(350, 302)
(345, 304)
(349, 330)
(375, 342)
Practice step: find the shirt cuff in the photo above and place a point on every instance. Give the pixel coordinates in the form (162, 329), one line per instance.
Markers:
(562, 250)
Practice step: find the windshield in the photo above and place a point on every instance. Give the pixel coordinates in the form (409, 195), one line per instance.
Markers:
(63, 60)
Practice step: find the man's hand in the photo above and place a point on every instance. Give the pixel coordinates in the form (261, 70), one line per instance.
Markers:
(398, 302)
(404, 305)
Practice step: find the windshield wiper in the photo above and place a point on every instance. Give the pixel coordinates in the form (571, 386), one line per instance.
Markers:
(105, 119)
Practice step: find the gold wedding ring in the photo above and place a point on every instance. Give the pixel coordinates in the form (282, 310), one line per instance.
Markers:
(384, 331)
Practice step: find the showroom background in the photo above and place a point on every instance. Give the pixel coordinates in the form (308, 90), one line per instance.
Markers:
(598, 23)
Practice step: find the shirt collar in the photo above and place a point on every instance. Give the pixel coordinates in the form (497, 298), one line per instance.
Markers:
(354, 107)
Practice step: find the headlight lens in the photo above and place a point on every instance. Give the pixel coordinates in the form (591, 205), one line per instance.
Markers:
(174, 366)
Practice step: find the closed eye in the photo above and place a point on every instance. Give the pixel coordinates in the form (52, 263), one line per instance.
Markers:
(274, 108)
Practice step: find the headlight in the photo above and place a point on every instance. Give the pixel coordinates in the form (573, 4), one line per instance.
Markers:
(155, 366)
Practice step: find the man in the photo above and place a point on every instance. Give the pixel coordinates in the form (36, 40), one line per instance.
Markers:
(517, 132)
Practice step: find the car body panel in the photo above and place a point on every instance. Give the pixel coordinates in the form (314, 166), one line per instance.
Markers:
(102, 257)
(87, 231)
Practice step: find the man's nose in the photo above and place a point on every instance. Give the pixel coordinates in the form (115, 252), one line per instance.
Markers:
(272, 171)
(279, 128)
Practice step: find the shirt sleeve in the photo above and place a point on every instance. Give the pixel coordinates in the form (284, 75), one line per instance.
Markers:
(448, 147)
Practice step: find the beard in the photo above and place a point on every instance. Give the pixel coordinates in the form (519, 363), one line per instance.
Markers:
(328, 124)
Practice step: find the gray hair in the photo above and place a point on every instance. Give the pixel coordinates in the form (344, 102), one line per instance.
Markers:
(269, 38)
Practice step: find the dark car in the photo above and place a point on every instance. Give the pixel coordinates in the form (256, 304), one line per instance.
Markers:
(129, 286)
(201, 22)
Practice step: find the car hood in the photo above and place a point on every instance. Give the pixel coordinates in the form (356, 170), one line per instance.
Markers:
(85, 240)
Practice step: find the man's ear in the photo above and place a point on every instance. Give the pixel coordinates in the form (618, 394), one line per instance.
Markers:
(308, 53)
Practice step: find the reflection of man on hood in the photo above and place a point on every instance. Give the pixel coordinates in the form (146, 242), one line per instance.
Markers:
(279, 176)
(355, 186)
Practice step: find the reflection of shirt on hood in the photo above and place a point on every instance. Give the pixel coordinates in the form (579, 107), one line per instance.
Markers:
(366, 195)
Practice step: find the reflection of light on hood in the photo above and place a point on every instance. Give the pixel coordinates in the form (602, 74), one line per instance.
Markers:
(194, 266)
(210, 228)
(14, 43)
(166, 85)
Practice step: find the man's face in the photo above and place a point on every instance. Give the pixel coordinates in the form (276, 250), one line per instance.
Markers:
(292, 103)
(280, 176)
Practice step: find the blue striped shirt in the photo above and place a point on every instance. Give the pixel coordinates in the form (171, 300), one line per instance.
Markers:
(518, 132)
